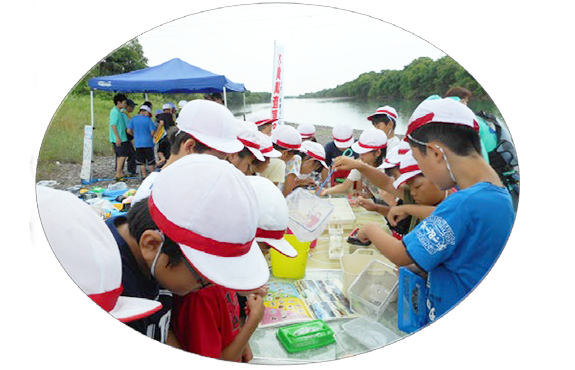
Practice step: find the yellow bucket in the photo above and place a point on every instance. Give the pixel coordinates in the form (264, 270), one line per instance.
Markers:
(290, 268)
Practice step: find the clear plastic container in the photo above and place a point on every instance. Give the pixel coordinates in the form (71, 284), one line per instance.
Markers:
(118, 186)
(369, 333)
(374, 289)
(308, 215)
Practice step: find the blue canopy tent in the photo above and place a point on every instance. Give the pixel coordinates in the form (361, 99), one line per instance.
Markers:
(172, 77)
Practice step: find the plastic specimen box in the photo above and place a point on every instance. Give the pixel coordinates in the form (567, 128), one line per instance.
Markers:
(309, 335)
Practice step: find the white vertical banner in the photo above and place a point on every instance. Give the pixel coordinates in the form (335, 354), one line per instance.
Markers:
(277, 86)
(86, 173)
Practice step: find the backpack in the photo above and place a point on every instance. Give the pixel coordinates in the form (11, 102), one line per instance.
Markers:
(503, 158)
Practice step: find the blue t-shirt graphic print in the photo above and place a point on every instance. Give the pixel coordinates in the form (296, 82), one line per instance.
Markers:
(459, 242)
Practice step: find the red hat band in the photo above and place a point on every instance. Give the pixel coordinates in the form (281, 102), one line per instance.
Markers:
(392, 115)
(407, 169)
(343, 140)
(193, 240)
(288, 146)
(270, 234)
(249, 143)
(107, 300)
(313, 155)
(371, 146)
(267, 150)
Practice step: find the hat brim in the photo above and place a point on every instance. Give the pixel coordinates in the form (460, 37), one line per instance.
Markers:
(386, 165)
(359, 150)
(128, 309)
(405, 177)
(344, 144)
(247, 272)
(280, 245)
(258, 154)
(272, 154)
(225, 146)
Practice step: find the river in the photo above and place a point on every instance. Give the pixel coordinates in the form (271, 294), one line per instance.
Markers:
(332, 111)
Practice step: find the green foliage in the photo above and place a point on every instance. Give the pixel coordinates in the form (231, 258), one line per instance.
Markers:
(421, 78)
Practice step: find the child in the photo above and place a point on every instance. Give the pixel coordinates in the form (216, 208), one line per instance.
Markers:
(270, 155)
(313, 167)
(250, 155)
(287, 141)
(214, 219)
(371, 148)
(307, 131)
(385, 119)
(461, 240)
(143, 129)
(264, 124)
(203, 127)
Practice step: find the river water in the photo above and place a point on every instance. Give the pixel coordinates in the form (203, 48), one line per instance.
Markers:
(333, 111)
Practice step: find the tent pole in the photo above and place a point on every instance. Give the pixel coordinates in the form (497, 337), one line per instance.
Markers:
(92, 107)
(146, 95)
(225, 98)
(244, 105)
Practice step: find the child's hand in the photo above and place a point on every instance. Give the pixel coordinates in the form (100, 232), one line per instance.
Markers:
(247, 355)
(324, 192)
(366, 203)
(396, 214)
(361, 233)
(262, 292)
(255, 308)
(345, 163)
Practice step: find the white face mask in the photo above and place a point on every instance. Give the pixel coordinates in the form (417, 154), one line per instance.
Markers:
(157, 254)
(442, 152)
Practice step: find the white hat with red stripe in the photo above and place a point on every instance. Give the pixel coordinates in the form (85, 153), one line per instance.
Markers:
(212, 124)
(250, 140)
(213, 218)
(260, 119)
(343, 136)
(287, 137)
(395, 154)
(267, 147)
(441, 111)
(306, 130)
(387, 110)
(88, 252)
(314, 150)
(273, 215)
(408, 169)
(370, 140)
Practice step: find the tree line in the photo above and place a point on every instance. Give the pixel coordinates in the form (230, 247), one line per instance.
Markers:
(421, 78)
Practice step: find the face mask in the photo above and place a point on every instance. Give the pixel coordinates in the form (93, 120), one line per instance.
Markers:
(157, 254)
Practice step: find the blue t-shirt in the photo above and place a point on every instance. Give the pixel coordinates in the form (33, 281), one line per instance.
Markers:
(459, 242)
(142, 127)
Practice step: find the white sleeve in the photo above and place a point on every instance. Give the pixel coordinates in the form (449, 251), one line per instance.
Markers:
(354, 175)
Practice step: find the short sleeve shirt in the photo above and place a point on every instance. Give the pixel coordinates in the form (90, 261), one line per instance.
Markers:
(355, 175)
(119, 120)
(207, 321)
(459, 242)
(143, 127)
(275, 171)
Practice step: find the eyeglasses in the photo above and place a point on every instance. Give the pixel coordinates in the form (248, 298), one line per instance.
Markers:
(199, 278)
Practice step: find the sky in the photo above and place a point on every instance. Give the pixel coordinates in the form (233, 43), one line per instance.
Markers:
(323, 47)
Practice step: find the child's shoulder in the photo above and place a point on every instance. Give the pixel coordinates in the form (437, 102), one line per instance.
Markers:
(481, 196)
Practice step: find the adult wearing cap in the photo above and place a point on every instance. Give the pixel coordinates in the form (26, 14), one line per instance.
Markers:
(371, 148)
(207, 321)
(385, 119)
(76, 243)
(264, 124)
(287, 141)
(203, 127)
(30, 153)
(143, 130)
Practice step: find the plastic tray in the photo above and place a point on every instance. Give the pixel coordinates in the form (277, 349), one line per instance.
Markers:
(342, 215)
(374, 289)
(300, 337)
(369, 334)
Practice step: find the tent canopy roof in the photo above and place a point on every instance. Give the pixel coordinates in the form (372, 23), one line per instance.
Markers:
(173, 76)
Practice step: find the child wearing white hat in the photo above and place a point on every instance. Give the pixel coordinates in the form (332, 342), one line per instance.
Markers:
(307, 131)
(220, 246)
(313, 167)
(371, 148)
(458, 244)
(203, 127)
(271, 155)
(264, 123)
(287, 141)
(250, 155)
(385, 119)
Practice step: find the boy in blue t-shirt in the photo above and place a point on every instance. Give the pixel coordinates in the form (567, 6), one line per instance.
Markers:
(463, 237)
(143, 129)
